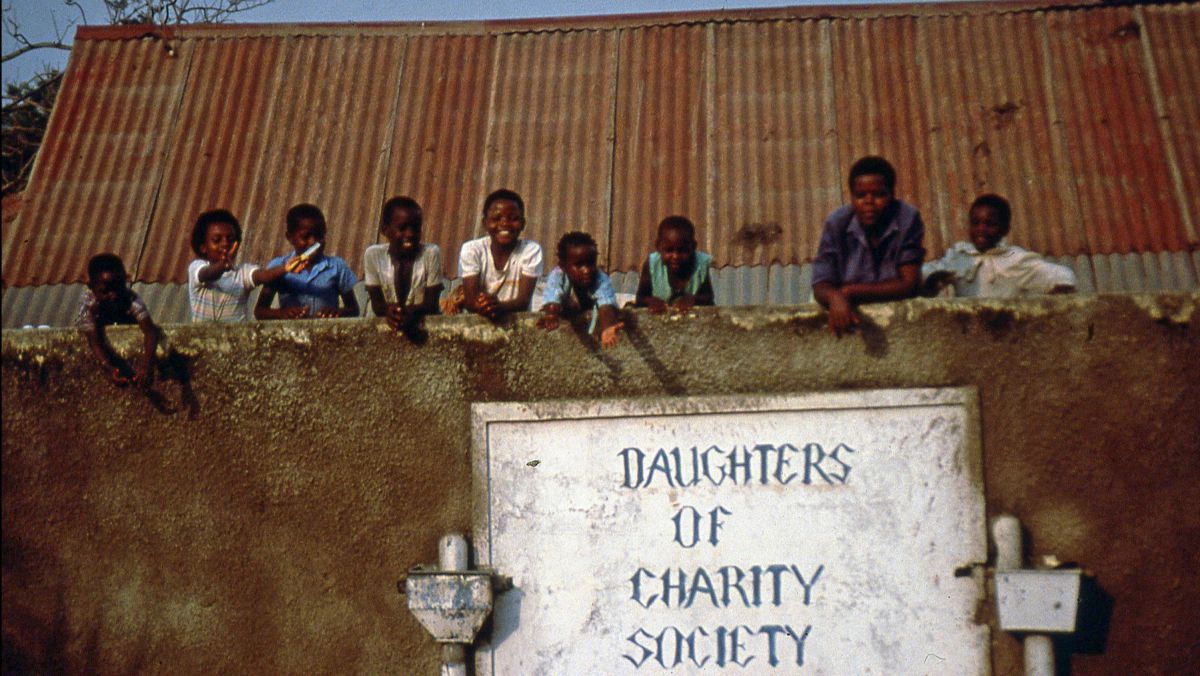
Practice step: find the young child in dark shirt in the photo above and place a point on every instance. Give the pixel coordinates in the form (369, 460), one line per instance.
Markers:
(576, 285)
(871, 249)
(675, 275)
(109, 300)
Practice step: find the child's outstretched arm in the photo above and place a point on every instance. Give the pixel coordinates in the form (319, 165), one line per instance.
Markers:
(645, 292)
(151, 334)
(903, 285)
(609, 324)
(116, 368)
(842, 318)
(268, 275)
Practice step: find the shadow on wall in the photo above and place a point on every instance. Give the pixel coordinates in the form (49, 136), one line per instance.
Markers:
(1091, 627)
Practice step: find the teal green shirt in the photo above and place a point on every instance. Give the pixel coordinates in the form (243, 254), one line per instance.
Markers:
(661, 284)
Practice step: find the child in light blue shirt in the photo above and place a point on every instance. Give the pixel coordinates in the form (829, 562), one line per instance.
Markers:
(576, 285)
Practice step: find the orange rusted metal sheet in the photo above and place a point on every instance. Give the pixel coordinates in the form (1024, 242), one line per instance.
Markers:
(550, 129)
(97, 173)
(661, 158)
(438, 139)
(1085, 117)
(269, 123)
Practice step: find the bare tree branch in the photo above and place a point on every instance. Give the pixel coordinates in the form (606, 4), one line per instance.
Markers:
(30, 46)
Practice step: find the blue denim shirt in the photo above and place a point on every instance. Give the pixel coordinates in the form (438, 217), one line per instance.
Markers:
(844, 254)
(318, 286)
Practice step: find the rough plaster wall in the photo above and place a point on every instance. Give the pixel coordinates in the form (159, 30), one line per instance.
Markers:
(266, 533)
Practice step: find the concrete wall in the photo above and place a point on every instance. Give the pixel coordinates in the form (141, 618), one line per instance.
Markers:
(265, 530)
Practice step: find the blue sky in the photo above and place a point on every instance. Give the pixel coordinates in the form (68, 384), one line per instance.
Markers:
(40, 19)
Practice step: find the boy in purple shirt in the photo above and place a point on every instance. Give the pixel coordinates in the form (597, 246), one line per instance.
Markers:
(870, 249)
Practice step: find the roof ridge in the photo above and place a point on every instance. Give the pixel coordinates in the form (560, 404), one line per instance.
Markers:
(605, 22)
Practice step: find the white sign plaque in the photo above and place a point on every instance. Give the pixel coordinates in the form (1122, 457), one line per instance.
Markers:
(816, 534)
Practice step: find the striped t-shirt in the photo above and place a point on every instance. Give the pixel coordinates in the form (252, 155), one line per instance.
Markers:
(222, 300)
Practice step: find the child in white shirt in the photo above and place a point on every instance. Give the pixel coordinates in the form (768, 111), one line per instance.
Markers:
(990, 267)
(404, 276)
(500, 271)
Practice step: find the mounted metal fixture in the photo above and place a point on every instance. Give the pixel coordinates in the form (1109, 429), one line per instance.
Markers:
(1033, 603)
(452, 602)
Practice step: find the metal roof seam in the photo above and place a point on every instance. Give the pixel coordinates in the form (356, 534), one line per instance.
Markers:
(1162, 118)
(167, 151)
(614, 109)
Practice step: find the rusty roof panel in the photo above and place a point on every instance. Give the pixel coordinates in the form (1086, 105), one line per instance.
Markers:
(438, 138)
(97, 172)
(744, 121)
(661, 158)
(1115, 149)
(259, 134)
(882, 101)
(1171, 40)
(775, 154)
(550, 132)
(993, 131)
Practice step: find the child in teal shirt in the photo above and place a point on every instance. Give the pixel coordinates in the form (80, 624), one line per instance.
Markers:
(675, 275)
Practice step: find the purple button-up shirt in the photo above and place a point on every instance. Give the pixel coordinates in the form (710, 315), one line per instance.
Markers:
(844, 255)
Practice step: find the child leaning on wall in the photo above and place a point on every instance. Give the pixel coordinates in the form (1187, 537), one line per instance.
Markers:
(217, 287)
(403, 276)
(988, 266)
(108, 300)
(314, 290)
(675, 275)
(499, 271)
(576, 285)
(871, 249)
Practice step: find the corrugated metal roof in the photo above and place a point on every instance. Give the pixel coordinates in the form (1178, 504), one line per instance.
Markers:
(744, 121)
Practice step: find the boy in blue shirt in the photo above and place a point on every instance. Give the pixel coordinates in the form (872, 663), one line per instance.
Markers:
(577, 285)
(871, 249)
(312, 291)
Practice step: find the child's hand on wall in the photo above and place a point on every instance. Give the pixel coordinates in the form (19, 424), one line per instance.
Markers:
(396, 316)
(685, 303)
(549, 320)
(296, 312)
(332, 313)
(842, 318)
(935, 282)
(488, 306)
(656, 305)
(611, 335)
